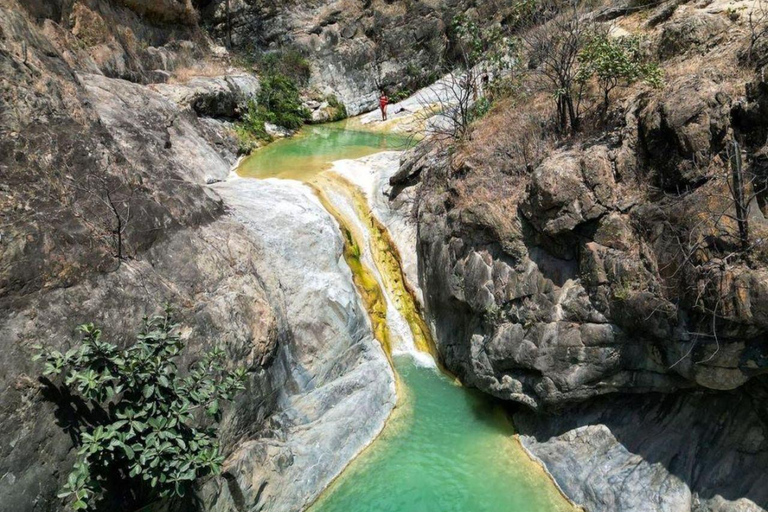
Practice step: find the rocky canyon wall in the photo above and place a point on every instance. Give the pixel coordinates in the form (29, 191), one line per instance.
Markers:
(355, 47)
(554, 275)
(87, 121)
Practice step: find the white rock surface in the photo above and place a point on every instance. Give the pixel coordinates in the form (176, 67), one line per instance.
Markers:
(335, 383)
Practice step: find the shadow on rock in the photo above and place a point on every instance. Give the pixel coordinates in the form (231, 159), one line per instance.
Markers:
(682, 451)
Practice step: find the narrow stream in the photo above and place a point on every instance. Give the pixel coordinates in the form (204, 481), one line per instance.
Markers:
(445, 448)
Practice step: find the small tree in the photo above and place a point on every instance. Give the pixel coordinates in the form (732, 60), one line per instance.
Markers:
(107, 208)
(709, 239)
(615, 62)
(478, 53)
(138, 436)
(554, 52)
(757, 21)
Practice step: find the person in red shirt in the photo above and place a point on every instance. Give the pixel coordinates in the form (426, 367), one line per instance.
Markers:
(383, 102)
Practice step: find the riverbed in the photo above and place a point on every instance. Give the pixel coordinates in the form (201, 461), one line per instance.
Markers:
(445, 448)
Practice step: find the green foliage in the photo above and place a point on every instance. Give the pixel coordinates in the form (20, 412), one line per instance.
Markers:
(616, 62)
(146, 438)
(522, 14)
(248, 140)
(494, 314)
(279, 102)
(475, 44)
(339, 109)
(287, 62)
(480, 108)
(283, 73)
(400, 95)
(251, 129)
(623, 290)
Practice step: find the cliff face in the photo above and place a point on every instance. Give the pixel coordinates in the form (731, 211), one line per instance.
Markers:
(354, 46)
(560, 270)
(89, 148)
(57, 163)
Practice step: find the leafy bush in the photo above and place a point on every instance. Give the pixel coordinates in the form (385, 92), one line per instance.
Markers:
(400, 95)
(490, 47)
(249, 139)
(144, 441)
(287, 62)
(480, 108)
(478, 54)
(279, 102)
(339, 109)
(250, 130)
(616, 62)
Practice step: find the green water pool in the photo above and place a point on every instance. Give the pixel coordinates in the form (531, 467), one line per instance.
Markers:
(314, 148)
(445, 449)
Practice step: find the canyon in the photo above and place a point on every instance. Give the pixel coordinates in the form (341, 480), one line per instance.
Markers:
(546, 274)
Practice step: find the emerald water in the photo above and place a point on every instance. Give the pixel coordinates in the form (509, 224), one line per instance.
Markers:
(314, 148)
(445, 448)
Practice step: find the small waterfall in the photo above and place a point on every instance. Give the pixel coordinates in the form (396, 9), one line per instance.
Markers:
(444, 447)
(406, 331)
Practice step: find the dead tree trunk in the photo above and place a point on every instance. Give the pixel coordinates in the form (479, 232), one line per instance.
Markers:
(229, 26)
(737, 177)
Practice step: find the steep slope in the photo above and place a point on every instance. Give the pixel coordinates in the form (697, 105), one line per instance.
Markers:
(106, 214)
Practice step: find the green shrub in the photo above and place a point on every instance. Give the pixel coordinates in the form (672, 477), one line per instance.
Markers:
(283, 73)
(400, 95)
(248, 139)
(279, 102)
(288, 62)
(144, 442)
(479, 109)
(339, 109)
(250, 130)
(616, 62)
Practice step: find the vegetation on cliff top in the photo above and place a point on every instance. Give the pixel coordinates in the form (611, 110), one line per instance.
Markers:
(595, 94)
(278, 101)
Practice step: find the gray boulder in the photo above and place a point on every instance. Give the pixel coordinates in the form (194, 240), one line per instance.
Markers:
(220, 97)
(691, 29)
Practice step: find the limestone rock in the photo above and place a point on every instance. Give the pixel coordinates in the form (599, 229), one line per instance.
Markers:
(687, 124)
(644, 453)
(225, 96)
(337, 387)
(277, 132)
(691, 29)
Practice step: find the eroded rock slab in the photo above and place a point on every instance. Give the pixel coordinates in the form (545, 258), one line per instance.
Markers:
(336, 387)
(657, 453)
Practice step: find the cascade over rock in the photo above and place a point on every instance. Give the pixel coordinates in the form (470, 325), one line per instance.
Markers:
(548, 285)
